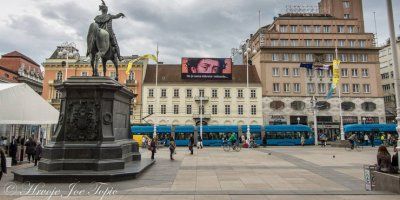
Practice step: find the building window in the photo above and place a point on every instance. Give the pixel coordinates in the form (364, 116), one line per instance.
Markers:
(367, 88)
(341, 43)
(131, 75)
(274, 43)
(330, 73)
(320, 73)
(343, 57)
(283, 29)
(214, 109)
(112, 75)
(293, 29)
(317, 29)
(364, 72)
(58, 94)
(201, 109)
(368, 106)
(317, 42)
(253, 109)
(298, 105)
(284, 42)
(214, 93)
(362, 43)
(296, 87)
(84, 74)
(275, 57)
(344, 72)
(277, 105)
(306, 28)
(176, 109)
(163, 109)
(354, 72)
(240, 93)
(327, 29)
(364, 58)
(276, 87)
(346, 4)
(227, 109)
(285, 71)
(285, 57)
(293, 43)
(227, 93)
(310, 72)
(329, 57)
(188, 93)
(150, 109)
(286, 87)
(201, 92)
(328, 43)
(296, 72)
(275, 71)
(310, 87)
(351, 29)
(253, 93)
(59, 75)
(352, 43)
(189, 109)
(348, 106)
(353, 58)
(176, 93)
(346, 16)
(345, 88)
(163, 93)
(321, 88)
(309, 57)
(308, 43)
(151, 93)
(356, 88)
(340, 29)
(240, 109)
(295, 57)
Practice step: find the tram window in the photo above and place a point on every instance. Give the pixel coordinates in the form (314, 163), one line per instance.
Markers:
(257, 136)
(182, 136)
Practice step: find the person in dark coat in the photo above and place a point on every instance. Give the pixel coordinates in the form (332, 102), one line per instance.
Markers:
(38, 152)
(3, 163)
(13, 151)
(153, 147)
(372, 139)
(21, 141)
(191, 144)
(395, 160)
(172, 147)
(30, 149)
(384, 160)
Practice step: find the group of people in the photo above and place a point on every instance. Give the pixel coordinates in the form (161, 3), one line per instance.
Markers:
(19, 146)
(386, 163)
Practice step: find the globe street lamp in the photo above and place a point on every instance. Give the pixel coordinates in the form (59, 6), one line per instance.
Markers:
(246, 53)
(364, 120)
(298, 120)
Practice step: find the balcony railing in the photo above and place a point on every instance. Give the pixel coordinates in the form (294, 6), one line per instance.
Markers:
(204, 116)
(131, 83)
(197, 98)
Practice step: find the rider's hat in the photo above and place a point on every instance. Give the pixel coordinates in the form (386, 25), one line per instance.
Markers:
(103, 5)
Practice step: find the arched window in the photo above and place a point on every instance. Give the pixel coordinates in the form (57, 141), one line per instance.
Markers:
(368, 106)
(323, 105)
(348, 106)
(298, 105)
(277, 105)
(59, 75)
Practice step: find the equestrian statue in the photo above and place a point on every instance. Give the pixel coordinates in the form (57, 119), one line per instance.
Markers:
(101, 41)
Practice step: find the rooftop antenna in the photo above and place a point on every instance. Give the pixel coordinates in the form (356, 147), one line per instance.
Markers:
(259, 18)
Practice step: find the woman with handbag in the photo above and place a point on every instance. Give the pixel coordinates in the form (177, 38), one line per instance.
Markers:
(172, 147)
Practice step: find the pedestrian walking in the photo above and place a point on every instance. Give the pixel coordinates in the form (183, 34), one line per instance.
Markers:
(144, 142)
(172, 147)
(383, 140)
(302, 140)
(3, 163)
(13, 151)
(323, 139)
(366, 139)
(30, 149)
(372, 139)
(199, 142)
(153, 147)
(264, 140)
(191, 144)
(38, 152)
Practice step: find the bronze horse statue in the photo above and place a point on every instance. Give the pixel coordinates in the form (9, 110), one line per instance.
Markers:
(102, 43)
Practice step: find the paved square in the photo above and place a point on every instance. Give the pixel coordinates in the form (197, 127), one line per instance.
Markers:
(263, 173)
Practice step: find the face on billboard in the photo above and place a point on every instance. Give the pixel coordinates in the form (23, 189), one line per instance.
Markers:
(207, 68)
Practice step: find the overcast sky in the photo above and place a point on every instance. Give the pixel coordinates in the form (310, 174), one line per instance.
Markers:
(182, 28)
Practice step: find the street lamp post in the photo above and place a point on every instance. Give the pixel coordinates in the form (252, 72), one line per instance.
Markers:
(156, 91)
(395, 66)
(314, 107)
(248, 51)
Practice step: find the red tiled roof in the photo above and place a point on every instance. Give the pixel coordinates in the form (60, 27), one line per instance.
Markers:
(16, 54)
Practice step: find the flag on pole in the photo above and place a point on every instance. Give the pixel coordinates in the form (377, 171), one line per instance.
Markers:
(335, 78)
(146, 56)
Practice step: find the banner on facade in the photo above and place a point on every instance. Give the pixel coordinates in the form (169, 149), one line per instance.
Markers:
(206, 68)
(335, 78)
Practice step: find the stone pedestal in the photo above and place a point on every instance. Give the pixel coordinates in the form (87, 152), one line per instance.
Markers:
(92, 134)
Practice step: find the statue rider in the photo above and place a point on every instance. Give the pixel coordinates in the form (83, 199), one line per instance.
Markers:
(105, 22)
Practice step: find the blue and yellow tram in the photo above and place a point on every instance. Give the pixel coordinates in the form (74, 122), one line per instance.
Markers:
(288, 135)
(279, 135)
(377, 130)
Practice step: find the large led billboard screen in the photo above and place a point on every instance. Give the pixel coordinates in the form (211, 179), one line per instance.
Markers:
(207, 68)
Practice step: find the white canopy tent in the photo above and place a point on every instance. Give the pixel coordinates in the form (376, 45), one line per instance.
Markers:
(19, 104)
